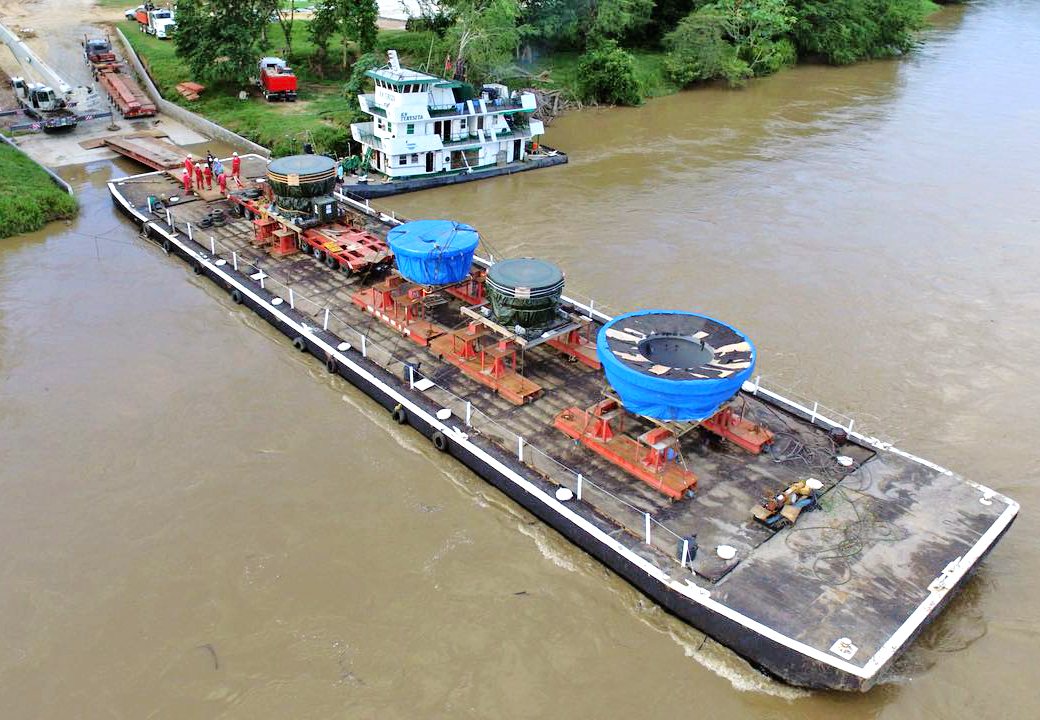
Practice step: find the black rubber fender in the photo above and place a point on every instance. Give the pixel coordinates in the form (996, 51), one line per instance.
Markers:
(236, 296)
(167, 245)
(400, 415)
(440, 440)
(197, 267)
(299, 343)
(331, 364)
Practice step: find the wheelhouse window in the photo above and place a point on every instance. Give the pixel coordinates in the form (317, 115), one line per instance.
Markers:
(402, 160)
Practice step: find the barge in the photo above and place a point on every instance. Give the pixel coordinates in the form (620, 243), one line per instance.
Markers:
(814, 551)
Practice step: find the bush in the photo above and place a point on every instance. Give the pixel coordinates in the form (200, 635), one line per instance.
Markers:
(732, 40)
(607, 74)
(698, 51)
(845, 31)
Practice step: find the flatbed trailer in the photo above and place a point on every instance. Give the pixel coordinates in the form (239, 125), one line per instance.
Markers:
(113, 75)
(828, 603)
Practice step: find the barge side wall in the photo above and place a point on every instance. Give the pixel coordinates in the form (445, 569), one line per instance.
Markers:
(763, 647)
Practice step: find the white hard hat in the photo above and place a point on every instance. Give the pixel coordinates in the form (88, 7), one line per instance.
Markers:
(235, 154)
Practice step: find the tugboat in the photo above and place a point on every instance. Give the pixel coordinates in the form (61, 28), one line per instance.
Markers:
(428, 131)
(816, 552)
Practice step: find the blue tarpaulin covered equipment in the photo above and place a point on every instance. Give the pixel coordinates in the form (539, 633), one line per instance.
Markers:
(674, 365)
(433, 252)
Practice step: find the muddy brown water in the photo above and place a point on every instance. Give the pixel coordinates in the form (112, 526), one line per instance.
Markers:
(196, 521)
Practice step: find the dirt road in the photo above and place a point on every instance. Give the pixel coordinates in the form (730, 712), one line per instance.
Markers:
(54, 30)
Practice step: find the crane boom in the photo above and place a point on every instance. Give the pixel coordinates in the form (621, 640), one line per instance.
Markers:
(30, 60)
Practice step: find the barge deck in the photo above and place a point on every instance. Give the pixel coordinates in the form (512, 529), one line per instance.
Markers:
(827, 603)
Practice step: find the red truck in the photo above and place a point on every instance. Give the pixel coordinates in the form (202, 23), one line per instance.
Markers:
(276, 80)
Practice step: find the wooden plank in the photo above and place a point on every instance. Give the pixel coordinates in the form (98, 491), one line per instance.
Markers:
(153, 152)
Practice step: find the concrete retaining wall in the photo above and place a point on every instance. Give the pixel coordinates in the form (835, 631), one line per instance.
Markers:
(192, 120)
(53, 175)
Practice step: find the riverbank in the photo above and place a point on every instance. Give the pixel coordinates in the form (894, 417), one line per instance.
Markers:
(29, 199)
(322, 115)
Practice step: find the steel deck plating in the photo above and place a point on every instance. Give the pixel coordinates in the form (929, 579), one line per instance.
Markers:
(828, 603)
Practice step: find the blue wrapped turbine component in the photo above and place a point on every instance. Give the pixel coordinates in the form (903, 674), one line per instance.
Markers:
(433, 252)
(673, 365)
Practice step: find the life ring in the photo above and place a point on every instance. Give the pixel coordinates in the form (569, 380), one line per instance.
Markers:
(330, 364)
(400, 415)
(236, 296)
(440, 440)
(332, 262)
(299, 343)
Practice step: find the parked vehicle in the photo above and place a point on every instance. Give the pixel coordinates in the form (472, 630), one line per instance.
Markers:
(155, 21)
(276, 80)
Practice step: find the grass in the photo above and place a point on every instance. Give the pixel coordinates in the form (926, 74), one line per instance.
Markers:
(29, 199)
(320, 115)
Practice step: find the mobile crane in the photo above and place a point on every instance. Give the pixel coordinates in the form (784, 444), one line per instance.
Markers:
(52, 103)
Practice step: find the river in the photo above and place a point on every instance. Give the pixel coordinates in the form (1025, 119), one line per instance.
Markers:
(198, 522)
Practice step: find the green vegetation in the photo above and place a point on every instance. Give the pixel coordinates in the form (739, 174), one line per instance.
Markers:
(608, 73)
(29, 199)
(608, 51)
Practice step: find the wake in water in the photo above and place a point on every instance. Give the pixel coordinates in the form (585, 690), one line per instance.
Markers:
(695, 645)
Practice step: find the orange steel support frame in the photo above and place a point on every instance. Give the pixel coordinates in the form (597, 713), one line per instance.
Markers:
(399, 304)
(492, 364)
(727, 424)
(601, 429)
(580, 345)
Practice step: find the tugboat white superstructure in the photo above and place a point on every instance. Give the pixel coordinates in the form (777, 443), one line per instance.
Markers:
(426, 128)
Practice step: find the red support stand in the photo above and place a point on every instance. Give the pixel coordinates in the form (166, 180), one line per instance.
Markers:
(651, 457)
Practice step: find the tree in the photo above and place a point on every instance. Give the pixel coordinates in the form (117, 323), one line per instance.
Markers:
(845, 31)
(698, 51)
(582, 23)
(606, 73)
(219, 39)
(320, 30)
(286, 20)
(731, 39)
(484, 37)
(355, 21)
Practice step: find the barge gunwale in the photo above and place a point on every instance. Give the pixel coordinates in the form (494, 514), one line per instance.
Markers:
(765, 647)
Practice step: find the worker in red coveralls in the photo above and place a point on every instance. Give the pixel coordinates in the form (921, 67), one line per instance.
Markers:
(207, 172)
(222, 183)
(198, 176)
(189, 165)
(186, 179)
(236, 165)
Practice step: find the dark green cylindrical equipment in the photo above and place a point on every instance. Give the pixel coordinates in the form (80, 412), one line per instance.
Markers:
(296, 180)
(525, 292)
